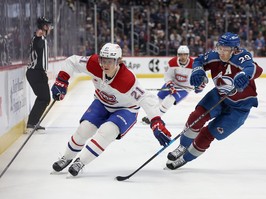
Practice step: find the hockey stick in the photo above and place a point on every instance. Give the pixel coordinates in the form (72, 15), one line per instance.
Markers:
(167, 89)
(161, 89)
(45, 113)
(122, 178)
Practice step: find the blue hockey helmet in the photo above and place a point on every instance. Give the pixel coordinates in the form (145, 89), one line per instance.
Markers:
(229, 39)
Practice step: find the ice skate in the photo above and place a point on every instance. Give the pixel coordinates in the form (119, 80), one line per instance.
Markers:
(75, 168)
(178, 152)
(175, 164)
(61, 164)
(146, 120)
(31, 127)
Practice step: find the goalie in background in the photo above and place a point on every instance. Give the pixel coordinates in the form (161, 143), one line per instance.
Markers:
(232, 68)
(176, 77)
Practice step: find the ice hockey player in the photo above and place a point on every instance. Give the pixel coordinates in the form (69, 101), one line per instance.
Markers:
(118, 98)
(176, 79)
(231, 67)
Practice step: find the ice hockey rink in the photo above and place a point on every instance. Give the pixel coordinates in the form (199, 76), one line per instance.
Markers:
(231, 169)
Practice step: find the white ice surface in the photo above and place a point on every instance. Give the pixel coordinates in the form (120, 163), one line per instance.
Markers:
(234, 168)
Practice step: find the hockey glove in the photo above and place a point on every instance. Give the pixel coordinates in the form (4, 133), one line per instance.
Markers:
(197, 76)
(160, 132)
(59, 89)
(241, 81)
(200, 88)
(171, 87)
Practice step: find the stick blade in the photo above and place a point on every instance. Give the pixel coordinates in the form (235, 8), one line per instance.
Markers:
(122, 178)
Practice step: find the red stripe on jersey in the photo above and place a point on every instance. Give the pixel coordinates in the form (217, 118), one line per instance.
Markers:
(72, 139)
(94, 67)
(173, 62)
(97, 144)
(258, 72)
(124, 80)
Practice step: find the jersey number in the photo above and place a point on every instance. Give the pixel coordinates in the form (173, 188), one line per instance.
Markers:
(137, 93)
(242, 59)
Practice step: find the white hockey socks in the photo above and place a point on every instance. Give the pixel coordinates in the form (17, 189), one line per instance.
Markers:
(166, 103)
(106, 134)
(77, 141)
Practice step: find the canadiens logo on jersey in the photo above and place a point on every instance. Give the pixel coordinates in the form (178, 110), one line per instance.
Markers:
(109, 99)
(181, 78)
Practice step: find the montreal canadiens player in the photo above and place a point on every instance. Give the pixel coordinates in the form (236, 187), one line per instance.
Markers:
(231, 67)
(118, 98)
(176, 79)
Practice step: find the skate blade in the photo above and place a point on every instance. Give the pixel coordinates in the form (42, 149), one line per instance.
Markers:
(53, 172)
(144, 123)
(41, 132)
(69, 176)
(167, 169)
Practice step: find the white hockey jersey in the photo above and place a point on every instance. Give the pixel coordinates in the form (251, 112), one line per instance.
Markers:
(179, 74)
(123, 91)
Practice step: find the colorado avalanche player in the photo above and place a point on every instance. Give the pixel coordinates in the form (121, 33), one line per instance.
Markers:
(118, 98)
(231, 67)
(177, 78)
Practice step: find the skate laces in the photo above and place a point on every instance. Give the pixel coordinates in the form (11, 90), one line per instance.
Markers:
(179, 149)
(77, 165)
(62, 161)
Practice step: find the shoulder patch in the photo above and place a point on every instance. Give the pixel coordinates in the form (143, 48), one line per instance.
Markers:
(173, 62)
(124, 80)
(94, 67)
(191, 60)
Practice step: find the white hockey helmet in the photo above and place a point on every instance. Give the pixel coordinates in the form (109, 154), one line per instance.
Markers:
(183, 50)
(110, 50)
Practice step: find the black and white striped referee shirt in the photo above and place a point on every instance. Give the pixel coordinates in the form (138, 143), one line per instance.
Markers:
(38, 53)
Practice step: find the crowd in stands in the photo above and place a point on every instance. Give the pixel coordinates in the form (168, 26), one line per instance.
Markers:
(199, 27)
(160, 26)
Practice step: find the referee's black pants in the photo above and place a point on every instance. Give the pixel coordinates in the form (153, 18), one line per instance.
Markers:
(38, 81)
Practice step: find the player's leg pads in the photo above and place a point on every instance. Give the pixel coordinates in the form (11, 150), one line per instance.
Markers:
(167, 103)
(106, 134)
(194, 115)
(77, 141)
(84, 131)
(204, 139)
(187, 138)
(199, 145)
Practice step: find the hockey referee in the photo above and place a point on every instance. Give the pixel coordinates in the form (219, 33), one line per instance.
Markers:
(36, 72)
